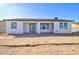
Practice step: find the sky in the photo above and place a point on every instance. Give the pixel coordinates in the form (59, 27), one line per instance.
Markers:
(68, 11)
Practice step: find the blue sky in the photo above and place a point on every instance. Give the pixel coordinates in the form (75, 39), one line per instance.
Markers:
(42, 10)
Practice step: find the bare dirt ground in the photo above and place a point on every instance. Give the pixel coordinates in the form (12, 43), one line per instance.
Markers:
(39, 44)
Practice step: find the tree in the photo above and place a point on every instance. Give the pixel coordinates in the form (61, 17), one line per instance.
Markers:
(56, 18)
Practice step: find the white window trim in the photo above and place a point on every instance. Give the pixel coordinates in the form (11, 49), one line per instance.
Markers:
(45, 25)
(63, 27)
(13, 25)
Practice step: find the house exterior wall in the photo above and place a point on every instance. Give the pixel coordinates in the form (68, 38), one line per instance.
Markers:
(38, 27)
(23, 27)
(47, 30)
(18, 30)
(58, 30)
(38, 30)
(2, 27)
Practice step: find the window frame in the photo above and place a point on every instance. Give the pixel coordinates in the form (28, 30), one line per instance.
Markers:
(63, 26)
(47, 25)
(13, 25)
(44, 25)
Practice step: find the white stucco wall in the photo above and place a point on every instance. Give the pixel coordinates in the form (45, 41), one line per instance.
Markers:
(38, 27)
(58, 30)
(19, 29)
(26, 27)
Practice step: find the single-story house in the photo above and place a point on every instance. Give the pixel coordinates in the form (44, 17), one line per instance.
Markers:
(31, 25)
(75, 27)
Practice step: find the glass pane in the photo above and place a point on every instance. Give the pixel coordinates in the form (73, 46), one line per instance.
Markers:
(32, 27)
(65, 25)
(61, 25)
(47, 25)
(42, 25)
(13, 25)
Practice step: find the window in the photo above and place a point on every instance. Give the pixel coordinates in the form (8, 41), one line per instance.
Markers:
(65, 25)
(44, 26)
(47, 25)
(61, 25)
(13, 25)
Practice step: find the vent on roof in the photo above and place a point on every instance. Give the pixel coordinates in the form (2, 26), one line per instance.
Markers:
(56, 18)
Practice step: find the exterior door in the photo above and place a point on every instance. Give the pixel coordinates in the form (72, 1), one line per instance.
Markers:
(32, 27)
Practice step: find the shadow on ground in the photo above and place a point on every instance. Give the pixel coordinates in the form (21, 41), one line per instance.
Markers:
(35, 45)
(45, 35)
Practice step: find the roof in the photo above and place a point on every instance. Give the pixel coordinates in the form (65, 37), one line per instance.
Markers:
(1, 21)
(37, 19)
(77, 23)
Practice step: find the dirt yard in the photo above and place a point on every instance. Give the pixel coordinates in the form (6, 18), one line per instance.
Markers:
(39, 44)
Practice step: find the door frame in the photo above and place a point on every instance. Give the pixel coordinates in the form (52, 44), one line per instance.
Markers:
(31, 26)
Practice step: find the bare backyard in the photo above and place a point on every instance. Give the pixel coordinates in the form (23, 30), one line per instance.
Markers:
(39, 44)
